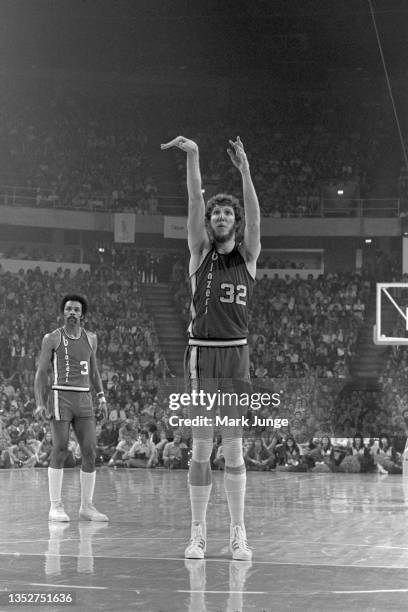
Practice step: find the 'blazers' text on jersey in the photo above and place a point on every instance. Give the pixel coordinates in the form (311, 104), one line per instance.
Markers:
(71, 362)
(221, 293)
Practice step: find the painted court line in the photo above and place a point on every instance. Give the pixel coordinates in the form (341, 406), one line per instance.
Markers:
(223, 560)
(68, 586)
(223, 592)
(369, 591)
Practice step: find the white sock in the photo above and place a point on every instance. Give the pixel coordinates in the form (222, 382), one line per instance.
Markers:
(199, 496)
(55, 484)
(235, 486)
(87, 480)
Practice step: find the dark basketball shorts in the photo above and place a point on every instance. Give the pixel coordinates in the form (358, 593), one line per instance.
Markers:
(219, 376)
(69, 405)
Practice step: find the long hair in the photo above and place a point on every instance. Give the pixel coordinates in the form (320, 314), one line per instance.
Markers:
(224, 199)
(358, 436)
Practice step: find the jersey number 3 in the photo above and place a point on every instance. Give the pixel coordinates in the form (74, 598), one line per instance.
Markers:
(84, 368)
(233, 294)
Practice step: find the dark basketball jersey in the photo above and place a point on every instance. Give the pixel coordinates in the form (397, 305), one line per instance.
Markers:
(221, 291)
(71, 362)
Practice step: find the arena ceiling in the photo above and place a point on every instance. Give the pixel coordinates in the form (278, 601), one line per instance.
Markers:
(218, 37)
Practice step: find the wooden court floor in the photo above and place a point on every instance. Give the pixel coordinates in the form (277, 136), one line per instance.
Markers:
(321, 542)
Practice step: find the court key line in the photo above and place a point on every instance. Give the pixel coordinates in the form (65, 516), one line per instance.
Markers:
(254, 562)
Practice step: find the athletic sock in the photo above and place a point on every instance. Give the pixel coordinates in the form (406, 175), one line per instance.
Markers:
(87, 480)
(199, 496)
(235, 486)
(55, 484)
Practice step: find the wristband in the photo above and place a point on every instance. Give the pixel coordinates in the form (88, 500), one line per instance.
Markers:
(100, 394)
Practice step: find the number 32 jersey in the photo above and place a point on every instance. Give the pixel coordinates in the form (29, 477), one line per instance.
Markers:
(221, 291)
(71, 362)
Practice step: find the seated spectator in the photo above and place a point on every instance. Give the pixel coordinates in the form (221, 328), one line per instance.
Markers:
(291, 459)
(44, 451)
(107, 441)
(142, 453)
(21, 455)
(337, 458)
(258, 457)
(117, 414)
(173, 453)
(122, 449)
(321, 454)
(160, 446)
(385, 456)
(359, 458)
(5, 458)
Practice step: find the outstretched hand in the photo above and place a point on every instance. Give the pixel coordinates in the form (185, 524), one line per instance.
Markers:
(238, 155)
(182, 143)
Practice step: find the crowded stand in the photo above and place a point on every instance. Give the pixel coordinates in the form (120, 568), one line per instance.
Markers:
(302, 339)
(75, 152)
(291, 162)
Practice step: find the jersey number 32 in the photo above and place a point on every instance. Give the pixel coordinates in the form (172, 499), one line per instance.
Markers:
(233, 294)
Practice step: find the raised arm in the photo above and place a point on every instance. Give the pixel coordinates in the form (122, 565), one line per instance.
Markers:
(196, 233)
(252, 233)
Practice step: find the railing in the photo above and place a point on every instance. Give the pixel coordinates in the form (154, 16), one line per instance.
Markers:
(12, 195)
(370, 207)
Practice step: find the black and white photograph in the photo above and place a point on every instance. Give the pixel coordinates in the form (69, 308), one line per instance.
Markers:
(204, 305)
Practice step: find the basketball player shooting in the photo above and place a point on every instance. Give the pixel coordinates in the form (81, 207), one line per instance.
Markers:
(70, 350)
(224, 245)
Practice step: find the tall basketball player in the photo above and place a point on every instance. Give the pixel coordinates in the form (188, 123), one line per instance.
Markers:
(70, 350)
(223, 253)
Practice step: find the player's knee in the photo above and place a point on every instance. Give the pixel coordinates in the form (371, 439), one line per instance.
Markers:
(58, 455)
(88, 454)
(59, 449)
(233, 454)
(202, 450)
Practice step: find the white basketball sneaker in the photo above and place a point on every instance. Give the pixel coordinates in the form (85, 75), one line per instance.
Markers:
(197, 545)
(57, 513)
(90, 513)
(238, 544)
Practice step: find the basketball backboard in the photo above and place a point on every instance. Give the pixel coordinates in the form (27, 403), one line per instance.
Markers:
(391, 326)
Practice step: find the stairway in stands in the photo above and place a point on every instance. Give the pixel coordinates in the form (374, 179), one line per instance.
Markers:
(369, 359)
(170, 327)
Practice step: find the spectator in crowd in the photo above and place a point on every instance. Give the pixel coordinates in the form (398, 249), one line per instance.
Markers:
(359, 458)
(121, 453)
(21, 455)
(173, 453)
(258, 457)
(5, 457)
(44, 451)
(290, 457)
(385, 456)
(107, 441)
(142, 453)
